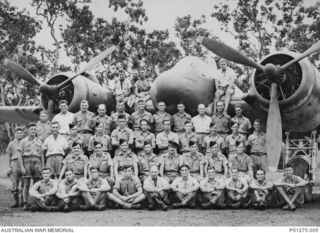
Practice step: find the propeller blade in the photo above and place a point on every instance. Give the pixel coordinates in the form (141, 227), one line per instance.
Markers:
(274, 130)
(50, 108)
(315, 47)
(20, 71)
(89, 65)
(228, 53)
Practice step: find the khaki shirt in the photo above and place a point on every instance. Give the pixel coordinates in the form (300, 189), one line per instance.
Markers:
(230, 142)
(29, 147)
(77, 164)
(238, 184)
(243, 162)
(158, 121)
(145, 162)
(218, 162)
(105, 140)
(125, 134)
(87, 120)
(219, 140)
(193, 161)
(178, 121)
(45, 187)
(181, 185)
(171, 163)
(106, 122)
(163, 138)
(55, 146)
(114, 118)
(206, 184)
(67, 186)
(12, 149)
(244, 124)
(103, 162)
(184, 140)
(123, 160)
(141, 137)
(79, 138)
(222, 122)
(127, 186)
(137, 116)
(258, 143)
(91, 184)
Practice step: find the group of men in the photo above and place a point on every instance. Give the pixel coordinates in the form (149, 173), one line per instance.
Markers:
(88, 161)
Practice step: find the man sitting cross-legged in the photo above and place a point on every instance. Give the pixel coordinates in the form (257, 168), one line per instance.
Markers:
(290, 188)
(156, 189)
(94, 191)
(212, 191)
(68, 192)
(237, 190)
(185, 189)
(43, 193)
(261, 190)
(127, 192)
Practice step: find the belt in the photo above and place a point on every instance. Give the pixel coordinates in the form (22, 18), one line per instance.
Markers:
(258, 153)
(29, 156)
(85, 131)
(54, 155)
(202, 133)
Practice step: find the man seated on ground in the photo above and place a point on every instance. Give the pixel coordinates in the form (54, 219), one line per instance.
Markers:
(68, 192)
(212, 191)
(157, 190)
(127, 191)
(291, 189)
(43, 193)
(237, 190)
(185, 189)
(261, 190)
(94, 191)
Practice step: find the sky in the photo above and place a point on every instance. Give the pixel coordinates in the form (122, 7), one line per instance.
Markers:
(161, 13)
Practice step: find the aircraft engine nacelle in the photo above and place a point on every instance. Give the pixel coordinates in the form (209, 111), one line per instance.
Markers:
(80, 89)
(190, 81)
(299, 92)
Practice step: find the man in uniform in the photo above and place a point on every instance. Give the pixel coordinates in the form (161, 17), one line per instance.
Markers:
(43, 126)
(64, 118)
(140, 114)
(121, 132)
(221, 120)
(55, 147)
(156, 189)
(186, 137)
(257, 147)
(185, 189)
(120, 111)
(68, 192)
(43, 193)
(225, 84)
(94, 191)
(142, 136)
(291, 189)
(213, 137)
(243, 122)
(164, 137)
(261, 190)
(180, 118)
(104, 119)
(30, 159)
(127, 191)
(99, 136)
(15, 171)
(201, 124)
(146, 160)
(237, 190)
(160, 117)
(212, 191)
(230, 141)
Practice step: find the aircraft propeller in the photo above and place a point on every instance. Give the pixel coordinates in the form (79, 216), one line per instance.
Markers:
(273, 74)
(52, 91)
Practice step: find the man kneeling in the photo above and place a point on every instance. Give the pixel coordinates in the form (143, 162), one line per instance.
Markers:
(156, 188)
(94, 191)
(68, 192)
(291, 188)
(43, 193)
(185, 189)
(127, 192)
(237, 190)
(261, 190)
(212, 191)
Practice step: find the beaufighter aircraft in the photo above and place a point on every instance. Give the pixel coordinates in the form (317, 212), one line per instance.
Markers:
(285, 91)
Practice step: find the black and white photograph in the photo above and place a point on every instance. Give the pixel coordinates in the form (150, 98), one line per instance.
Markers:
(159, 113)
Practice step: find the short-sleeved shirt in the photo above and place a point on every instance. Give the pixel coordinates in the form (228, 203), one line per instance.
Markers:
(264, 184)
(30, 147)
(92, 184)
(43, 129)
(79, 138)
(145, 162)
(181, 185)
(293, 179)
(87, 120)
(201, 124)
(238, 184)
(158, 121)
(123, 160)
(230, 142)
(12, 149)
(178, 121)
(64, 121)
(226, 78)
(106, 122)
(212, 184)
(55, 146)
(76, 164)
(114, 118)
(258, 143)
(137, 116)
(127, 186)
(171, 163)
(244, 124)
(243, 162)
(184, 140)
(141, 137)
(45, 186)
(218, 162)
(104, 140)
(124, 86)
(103, 162)
(164, 138)
(67, 186)
(161, 183)
(219, 140)
(222, 122)
(193, 161)
(121, 133)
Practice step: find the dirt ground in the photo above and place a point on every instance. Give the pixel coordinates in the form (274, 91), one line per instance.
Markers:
(309, 215)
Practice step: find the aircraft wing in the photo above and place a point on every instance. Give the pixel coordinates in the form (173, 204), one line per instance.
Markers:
(19, 114)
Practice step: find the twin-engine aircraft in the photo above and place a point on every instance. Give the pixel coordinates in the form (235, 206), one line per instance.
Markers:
(285, 91)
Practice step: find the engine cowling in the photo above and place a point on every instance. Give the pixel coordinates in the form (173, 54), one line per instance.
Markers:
(299, 92)
(80, 89)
